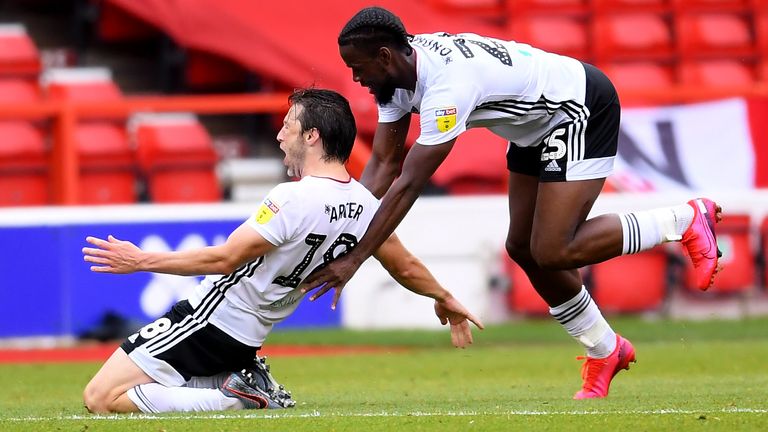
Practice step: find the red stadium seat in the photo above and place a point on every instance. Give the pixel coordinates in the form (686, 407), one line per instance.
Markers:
(558, 34)
(631, 283)
(19, 56)
(23, 165)
(715, 35)
(624, 6)
(80, 84)
(639, 76)
(639, 37)
(177, 156)
(108, 173)
(516, 8)
(18, 90)
(712, 5)
(484, 9)
(475, 165)
(738, 260)
(761, 31)
(718, 73)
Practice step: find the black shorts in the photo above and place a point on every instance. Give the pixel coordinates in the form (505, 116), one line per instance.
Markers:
(579, 149)
(176, 347)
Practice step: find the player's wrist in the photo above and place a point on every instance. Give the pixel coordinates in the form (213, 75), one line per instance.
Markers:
(442, 296)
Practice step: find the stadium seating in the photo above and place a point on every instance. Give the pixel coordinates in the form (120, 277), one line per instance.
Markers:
(647, 6)
(639, 75)
(492, 10)
(643, 291)
(23, 165)
(715, 35)
(640, 36)
(718, 73)
(517, 8)
(712, 5)
(108, 172)
(177, 157)
(19, 56)
(469, 170)
(734, 238)
(23, 152)
(80, 84)
(559, 34)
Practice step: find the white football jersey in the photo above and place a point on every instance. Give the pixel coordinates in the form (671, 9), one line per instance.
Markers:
(465, 80)
(311, 221)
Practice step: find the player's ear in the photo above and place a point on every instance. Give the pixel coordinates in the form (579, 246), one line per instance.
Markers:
(384, 55)
(311, 135)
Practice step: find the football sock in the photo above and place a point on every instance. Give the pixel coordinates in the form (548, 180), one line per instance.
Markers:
(210, 382)
(157, 398)
(645, 229)
(582, 319)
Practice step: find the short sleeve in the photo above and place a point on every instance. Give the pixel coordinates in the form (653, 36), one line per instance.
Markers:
(445, 109)
(390, 113)
(277, 216)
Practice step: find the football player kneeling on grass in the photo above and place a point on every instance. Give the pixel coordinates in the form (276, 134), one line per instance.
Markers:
(201, 355)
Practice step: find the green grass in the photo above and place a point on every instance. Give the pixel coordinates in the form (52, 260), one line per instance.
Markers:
(689, 376)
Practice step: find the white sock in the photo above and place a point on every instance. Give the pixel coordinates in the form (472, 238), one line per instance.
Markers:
(209, 382)
(582, 319)
(157, 398)
(645, 229)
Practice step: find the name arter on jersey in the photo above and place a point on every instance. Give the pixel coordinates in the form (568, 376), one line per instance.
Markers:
(348, 210)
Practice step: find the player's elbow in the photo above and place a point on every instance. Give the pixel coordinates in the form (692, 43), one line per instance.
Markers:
(225, 266)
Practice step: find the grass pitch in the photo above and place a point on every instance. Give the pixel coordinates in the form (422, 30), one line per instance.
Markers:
(520, 376)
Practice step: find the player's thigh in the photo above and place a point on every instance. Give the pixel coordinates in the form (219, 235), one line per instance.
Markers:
(522, 163)
(561, 207)
(116, 376)
(523, 190)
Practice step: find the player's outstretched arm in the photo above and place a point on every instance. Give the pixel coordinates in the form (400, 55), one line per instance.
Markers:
(120, 256)
(411, 273)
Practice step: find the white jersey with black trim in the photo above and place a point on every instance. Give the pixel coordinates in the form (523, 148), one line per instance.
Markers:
(466, 80)
(311, 221)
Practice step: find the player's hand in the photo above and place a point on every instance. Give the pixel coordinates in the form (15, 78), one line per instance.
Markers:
(453, 312)
(112, 255)
(334, 276)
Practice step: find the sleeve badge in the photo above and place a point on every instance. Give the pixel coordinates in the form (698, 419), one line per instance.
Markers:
(445, 118)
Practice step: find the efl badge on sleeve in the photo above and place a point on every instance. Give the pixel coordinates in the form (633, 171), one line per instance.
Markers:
(265, 212)
(445, 118)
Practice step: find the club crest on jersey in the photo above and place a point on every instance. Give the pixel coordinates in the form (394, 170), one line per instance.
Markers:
(445, 118)
(266, 211)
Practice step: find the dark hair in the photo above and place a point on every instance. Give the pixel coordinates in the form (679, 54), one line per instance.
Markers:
(329, 113)
(374, 27)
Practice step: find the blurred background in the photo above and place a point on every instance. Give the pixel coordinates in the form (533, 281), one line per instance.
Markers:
(155, 121)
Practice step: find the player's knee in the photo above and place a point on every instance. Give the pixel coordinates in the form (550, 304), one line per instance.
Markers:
(555, 258)
(519, 251)
(96, 400)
